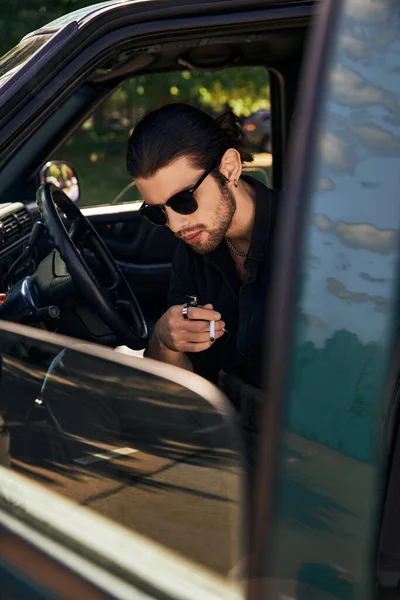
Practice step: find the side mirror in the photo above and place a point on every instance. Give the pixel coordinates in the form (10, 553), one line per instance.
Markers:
(63, 175)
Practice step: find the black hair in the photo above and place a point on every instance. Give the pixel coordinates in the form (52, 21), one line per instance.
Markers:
(177, 130)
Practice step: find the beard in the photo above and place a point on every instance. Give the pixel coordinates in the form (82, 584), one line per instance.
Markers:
(225, 210)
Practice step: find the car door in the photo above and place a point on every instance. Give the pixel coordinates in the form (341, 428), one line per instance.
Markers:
(334, 325)
(120, 477)
(317, 512)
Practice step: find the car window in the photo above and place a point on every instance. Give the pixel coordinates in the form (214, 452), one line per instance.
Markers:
(151, 448)
(346, 160)
(98, 149)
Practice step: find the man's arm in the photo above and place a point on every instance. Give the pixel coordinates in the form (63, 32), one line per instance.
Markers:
(174, 336)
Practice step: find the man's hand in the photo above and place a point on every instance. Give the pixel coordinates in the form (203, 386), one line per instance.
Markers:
(178, 334)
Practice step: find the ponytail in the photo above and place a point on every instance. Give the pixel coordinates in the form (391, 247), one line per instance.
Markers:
(231, 128)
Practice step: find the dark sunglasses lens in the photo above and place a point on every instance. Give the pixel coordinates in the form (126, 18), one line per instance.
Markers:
(183, 203)
(154, 214)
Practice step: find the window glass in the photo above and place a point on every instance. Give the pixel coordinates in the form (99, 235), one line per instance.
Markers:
(346, 316)
(150, 447)
(98, 149)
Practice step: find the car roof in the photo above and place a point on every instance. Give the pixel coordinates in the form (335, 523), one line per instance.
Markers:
(41, 52)
(85, 15)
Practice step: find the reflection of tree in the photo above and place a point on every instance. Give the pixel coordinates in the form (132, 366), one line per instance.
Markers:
(334, 391)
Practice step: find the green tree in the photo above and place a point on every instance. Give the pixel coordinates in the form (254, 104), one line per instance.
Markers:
(240, 89)
(20, 17)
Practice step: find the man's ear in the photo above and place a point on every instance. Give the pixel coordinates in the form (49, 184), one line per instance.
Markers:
(231, 166)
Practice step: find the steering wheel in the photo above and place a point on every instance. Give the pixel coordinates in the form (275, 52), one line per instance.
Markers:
(108, 302)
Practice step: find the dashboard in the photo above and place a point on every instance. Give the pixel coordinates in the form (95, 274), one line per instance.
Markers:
(16, 222)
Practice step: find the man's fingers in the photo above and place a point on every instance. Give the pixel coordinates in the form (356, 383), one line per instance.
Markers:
(201, 326)
(199, 338)
(203, 314)
(193, 334)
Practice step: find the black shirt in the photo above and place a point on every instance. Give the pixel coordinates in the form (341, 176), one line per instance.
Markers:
(214, 280)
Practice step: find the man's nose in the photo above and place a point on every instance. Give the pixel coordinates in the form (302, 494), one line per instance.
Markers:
(176, 222)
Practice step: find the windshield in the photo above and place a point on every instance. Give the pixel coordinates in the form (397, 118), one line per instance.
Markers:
(15, 58)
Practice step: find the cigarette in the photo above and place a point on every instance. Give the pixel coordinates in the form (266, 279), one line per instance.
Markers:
(212, 331)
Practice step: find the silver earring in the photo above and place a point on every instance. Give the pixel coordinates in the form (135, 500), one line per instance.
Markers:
(235, 183)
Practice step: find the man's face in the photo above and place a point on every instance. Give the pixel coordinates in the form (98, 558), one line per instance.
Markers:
(204, 229)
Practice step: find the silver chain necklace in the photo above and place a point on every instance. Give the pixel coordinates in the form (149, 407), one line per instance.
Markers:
(234, 250)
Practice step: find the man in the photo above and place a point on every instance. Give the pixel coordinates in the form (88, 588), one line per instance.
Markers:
(188, 169)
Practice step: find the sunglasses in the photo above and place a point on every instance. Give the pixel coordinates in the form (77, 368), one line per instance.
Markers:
(183, 203)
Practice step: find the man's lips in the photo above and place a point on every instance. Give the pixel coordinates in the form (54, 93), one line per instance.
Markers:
(193, 237)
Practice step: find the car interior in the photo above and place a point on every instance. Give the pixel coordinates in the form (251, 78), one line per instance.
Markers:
(114, 241)
(44, 290)
(143, 253)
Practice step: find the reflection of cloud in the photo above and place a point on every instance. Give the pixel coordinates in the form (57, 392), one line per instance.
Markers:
(313, 260)
(369, 277)
(377, 138)
(366, 236)
(314, 321)
(381, 309)
(392, 119)
(338, 289)
(353, 90)
(324, 185)
(358, 235)
(337, 118)
(338, 153)
(359, 32)
(371, 185)
(322, 222)
(355, 48)
(368, 11)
